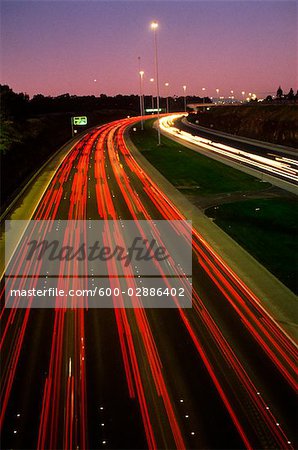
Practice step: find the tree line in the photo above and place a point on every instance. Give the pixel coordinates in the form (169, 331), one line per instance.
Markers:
(18, 106)
(281, 97)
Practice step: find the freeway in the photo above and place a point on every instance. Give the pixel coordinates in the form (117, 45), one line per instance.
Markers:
(219, 375)
(245, 155)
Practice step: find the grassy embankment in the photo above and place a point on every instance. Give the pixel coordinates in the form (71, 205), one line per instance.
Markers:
(268, 233)
(267, 229)
(189, 171)
(271, 123)
(25, 145)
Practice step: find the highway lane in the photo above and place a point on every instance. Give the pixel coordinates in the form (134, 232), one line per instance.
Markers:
(279, 166)
(246, 144)
(255, 305)
(203, 363)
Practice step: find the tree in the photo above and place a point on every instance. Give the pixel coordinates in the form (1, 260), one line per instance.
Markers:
(290, 95)
(13, 106)
(279, 92)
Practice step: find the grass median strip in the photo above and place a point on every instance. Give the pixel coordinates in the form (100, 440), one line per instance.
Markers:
(191, 171)
(266, 227)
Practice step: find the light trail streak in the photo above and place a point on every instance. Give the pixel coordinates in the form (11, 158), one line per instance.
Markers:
(64, 396)
(280, 342)
(282, 167)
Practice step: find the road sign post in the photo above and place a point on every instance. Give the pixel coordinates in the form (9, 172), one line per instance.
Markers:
(153, 110)
(78, 121)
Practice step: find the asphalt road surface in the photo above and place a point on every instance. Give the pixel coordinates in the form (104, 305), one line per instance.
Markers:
(220, 375)
(281, 165)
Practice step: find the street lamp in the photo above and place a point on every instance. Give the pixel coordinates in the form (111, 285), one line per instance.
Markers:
(243, 94)
(217, 92)
(142, 95)
(184, 89)
(154, 27)
(167, 97)
(152, 98)
(203, 89)
(141, 75)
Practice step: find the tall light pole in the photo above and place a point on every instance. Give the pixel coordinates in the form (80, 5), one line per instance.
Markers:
(154, 27)
(243, 95)
(141, 74)
(184, 89)
(167, 96)
(142, 94)
(217, 92)
(203, 92)
(152, 98)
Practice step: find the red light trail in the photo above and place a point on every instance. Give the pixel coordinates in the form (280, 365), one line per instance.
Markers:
(102, 159)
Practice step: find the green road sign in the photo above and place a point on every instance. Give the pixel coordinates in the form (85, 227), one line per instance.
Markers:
(153, 110)
(80, 120)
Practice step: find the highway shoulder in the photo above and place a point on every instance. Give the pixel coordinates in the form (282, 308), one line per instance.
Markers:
(277, 299)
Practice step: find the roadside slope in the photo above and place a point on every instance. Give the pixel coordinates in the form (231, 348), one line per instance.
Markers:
(25, 203)
(279, 301)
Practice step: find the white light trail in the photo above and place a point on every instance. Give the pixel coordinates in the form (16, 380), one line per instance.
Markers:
(283, 167)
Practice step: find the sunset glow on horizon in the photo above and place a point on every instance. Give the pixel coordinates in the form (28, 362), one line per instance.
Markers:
(92, 47)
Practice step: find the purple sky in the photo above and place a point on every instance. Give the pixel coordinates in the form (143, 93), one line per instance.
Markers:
(54, 47)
